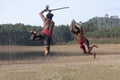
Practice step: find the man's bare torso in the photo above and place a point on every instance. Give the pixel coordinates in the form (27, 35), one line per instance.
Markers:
(79, 34)
(48, 24)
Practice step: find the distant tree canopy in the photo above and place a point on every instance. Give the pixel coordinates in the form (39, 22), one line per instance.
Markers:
(102, 27)
(97, 27)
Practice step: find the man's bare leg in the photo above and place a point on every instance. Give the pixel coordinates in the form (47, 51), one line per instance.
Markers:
(33, 34)
(47, 50)
(88, 49)
(83, 50)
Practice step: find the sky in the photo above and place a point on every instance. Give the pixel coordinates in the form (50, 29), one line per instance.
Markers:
(27, 11)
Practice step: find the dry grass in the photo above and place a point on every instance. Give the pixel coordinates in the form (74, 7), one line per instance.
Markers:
(103, 49)
(77, 67)
(93, 70)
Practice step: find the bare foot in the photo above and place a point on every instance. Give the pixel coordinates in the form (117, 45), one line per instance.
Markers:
(94, 45)
(33, 34)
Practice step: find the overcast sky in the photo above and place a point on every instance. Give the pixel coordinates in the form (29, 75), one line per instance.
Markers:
(27, 11)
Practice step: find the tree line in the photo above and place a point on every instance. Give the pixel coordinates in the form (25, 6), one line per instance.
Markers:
(97, 27)
(102, 27)
(18, 34)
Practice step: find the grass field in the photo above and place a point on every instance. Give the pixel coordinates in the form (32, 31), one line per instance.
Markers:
(66, 62)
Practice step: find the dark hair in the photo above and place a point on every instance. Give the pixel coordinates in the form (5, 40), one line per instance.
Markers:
(76, 28)
(49, 16)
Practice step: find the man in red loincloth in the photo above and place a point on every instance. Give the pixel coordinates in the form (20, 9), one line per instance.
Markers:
(47, 30)
(77, 30)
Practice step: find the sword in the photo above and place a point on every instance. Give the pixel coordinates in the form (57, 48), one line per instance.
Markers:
(59, 8)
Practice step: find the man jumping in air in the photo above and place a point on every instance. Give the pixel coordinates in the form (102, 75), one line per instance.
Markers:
(77, 30)
(47, 30)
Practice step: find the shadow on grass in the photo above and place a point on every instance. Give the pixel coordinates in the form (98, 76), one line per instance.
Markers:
(35, 54)
(31, 55)
(19, 56)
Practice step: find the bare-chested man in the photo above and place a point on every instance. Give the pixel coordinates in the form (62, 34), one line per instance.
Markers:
(77, 30)
(47, 30)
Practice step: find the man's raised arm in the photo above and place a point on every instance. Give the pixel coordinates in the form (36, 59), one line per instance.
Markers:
(80, 28)
(41, 13)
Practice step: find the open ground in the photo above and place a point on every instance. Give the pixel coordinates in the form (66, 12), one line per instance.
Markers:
(66, 62)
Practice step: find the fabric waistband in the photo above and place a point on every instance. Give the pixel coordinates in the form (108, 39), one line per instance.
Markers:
(83, 40)
(47, 32)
